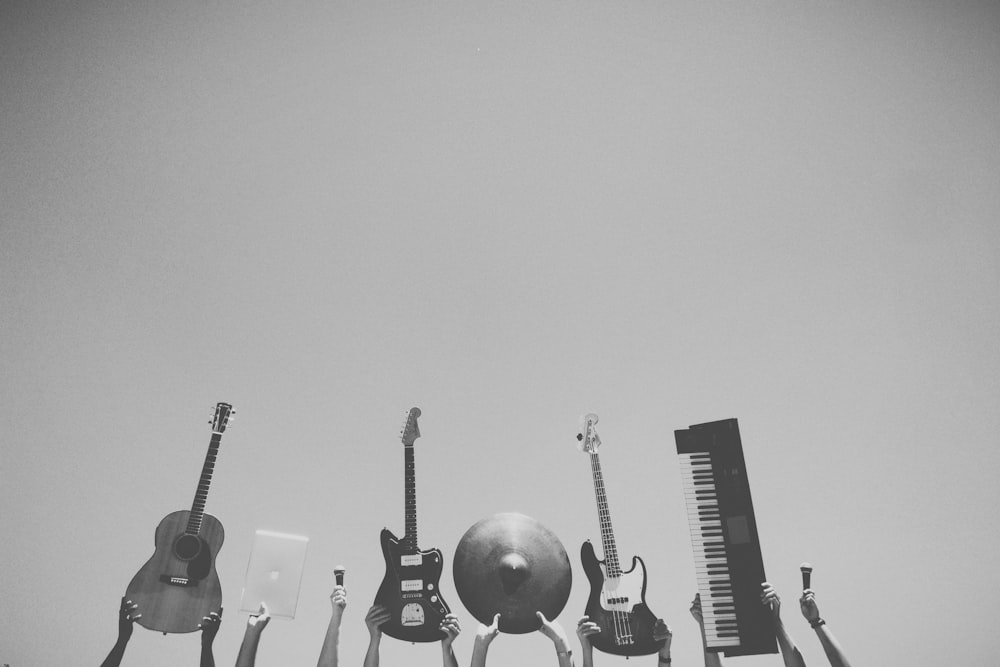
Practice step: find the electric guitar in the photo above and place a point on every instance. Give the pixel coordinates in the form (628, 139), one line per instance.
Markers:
(410, 589)
(178, 585)
(617, 600)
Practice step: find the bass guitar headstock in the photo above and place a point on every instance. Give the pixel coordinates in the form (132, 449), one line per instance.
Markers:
(410, 431)
(223, 413)
(589, 440)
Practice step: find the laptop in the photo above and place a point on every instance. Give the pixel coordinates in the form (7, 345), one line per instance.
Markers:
(274, 573)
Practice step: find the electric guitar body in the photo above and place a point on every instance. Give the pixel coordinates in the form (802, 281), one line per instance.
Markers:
(617, 600)
(410, 592)
(174, 592)
(618, 605)
(410, 589)
(178, 585)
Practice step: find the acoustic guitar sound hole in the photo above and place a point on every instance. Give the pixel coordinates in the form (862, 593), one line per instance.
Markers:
(187, 547)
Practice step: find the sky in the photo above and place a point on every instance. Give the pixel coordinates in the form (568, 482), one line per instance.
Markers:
(508, 215)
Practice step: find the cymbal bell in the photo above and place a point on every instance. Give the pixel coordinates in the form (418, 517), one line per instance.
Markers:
(510, 564)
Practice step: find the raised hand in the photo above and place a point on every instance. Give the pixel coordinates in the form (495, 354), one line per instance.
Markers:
(257, 622)
(769, 598)
(376, 616)
(486, 633)
(584, 629)
(807, 603)
(210, 626)
(696, 609)
(338, 598)
(554, 631)
(662, 631)
(450, 628)
(127, 615)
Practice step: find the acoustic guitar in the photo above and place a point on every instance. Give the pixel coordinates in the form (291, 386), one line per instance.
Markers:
(617, 601)
(178, 585)
(410, 589)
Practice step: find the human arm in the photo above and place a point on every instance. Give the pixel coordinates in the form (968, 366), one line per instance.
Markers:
(807, 603)
(376, 616)
(712, 659)
(789, 651)
(127, 613)
(484, 635)
(451, 630)
(209, 628)
(662, 631)
(251, 638)
(328, 654)
(554, 631)
(584, 629)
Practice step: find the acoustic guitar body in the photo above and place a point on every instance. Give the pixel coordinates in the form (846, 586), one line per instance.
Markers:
(178, 585)
(410, 592)
(618, 605)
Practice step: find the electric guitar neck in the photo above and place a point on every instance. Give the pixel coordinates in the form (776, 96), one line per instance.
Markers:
(410, 589)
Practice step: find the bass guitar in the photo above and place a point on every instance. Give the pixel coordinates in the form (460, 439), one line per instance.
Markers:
(410, 589)
(617, 601)
(178, 585)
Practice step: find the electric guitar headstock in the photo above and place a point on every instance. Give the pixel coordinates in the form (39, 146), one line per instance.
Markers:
(223, 413)
(589, 440)
(410, 431)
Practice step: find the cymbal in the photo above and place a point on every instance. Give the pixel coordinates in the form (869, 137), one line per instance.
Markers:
(510, 564)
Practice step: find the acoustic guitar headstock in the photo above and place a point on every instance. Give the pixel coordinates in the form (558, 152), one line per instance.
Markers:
(589, 440)
(223, 413)
(410, 431)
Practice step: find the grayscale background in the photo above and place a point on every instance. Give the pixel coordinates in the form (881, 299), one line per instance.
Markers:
(507, 214)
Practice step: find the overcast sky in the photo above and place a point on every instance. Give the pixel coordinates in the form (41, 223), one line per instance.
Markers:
(507, 214)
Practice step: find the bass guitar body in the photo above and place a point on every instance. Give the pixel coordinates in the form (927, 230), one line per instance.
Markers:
(410, 592)
(178, 585)
(618, 605)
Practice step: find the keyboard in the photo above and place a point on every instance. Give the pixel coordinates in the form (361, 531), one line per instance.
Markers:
(728, 563)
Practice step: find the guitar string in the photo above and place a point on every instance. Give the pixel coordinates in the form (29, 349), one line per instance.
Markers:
(618, 617)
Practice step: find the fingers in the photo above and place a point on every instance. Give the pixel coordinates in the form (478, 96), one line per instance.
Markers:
(260, 619)
(585, 627)
(696, 608)
(214, 618)
(128, 609)
(661, 630)
(377, 615)
(496, 622)
(450, 626)
(541, 617)
(769, 596)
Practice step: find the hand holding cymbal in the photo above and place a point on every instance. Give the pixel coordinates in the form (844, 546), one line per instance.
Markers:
(510, 564)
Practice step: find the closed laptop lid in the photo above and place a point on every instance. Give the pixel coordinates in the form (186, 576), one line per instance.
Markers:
(274, 573)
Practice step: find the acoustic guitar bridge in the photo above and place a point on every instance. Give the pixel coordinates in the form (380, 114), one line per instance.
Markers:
(177, 581)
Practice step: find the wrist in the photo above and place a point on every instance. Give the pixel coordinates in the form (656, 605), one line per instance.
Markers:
(815, 623)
